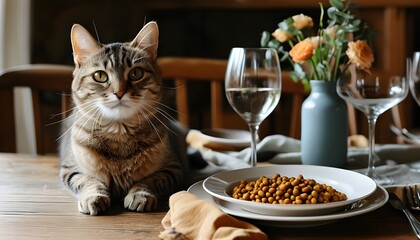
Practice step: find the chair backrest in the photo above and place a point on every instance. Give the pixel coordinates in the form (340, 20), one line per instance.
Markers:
(39, 78)
(183, 70)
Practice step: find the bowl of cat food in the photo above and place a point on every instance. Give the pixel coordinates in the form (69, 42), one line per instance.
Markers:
(290, 190)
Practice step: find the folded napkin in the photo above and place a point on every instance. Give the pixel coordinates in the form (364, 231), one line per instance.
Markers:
(281, 149)
(190, 217)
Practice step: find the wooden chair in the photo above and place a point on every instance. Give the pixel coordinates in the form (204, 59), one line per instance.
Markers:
(39, 78)
(184, 70)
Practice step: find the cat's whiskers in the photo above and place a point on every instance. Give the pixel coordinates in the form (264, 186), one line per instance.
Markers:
(79, 110)
(164, 114)
(56, 122)
(65, 113)
(140, 110)
(72, 115)
(147, 106)
(60, 114)
(96, 111)
(165, 107)
(81, 106)
(72, 126)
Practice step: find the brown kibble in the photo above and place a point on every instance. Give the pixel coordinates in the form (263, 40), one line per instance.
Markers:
(303, 196)
(286, 190)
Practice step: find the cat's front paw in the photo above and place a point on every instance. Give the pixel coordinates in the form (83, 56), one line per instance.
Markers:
(140, 201)
(94, 204)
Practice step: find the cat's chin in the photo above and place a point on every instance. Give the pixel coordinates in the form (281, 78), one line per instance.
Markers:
(119, 113)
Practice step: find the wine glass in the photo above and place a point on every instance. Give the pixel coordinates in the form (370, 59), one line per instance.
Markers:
(253, 87)
(413, 71)
(414, 76)
(373, 95)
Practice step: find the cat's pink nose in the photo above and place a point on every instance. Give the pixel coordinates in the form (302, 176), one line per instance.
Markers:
(119, 94)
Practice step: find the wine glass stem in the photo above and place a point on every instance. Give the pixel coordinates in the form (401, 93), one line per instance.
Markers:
(371, 160)
(254, 137)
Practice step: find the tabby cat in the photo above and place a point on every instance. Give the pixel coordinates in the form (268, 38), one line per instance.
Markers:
(117, 145)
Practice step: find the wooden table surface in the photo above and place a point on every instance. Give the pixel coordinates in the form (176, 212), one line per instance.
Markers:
(34, 205)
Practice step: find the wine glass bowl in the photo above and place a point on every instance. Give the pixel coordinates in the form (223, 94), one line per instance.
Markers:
(253, 86)
(373, 95)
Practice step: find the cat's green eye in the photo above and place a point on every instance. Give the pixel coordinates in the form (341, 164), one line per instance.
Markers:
(135, 74)
(100, 76)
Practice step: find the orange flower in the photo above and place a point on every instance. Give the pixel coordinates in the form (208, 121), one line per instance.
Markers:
(359, 53)
(315, 41)
(302, 51)
(281, 36)
(301, 21)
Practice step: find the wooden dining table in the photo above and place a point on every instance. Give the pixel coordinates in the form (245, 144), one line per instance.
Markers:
(35, 205)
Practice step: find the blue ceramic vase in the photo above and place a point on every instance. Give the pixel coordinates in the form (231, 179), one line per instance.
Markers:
(324, 126)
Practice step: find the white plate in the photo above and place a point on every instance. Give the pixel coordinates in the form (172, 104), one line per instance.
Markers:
(374, 201)
(355, 185)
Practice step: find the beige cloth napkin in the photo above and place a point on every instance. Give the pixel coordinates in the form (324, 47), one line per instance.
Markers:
(357, 141)
(190, 217)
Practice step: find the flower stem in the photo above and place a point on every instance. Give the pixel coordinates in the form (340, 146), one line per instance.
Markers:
(314, 69)
(336, 65)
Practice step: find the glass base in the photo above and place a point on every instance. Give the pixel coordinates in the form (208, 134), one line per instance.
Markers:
(382, 180)
(414, 166)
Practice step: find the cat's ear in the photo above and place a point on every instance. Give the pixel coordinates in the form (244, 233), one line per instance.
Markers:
(147, 39)
(83, 43)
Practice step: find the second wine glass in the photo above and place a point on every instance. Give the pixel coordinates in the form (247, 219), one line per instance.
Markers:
(253, 87)
(373, 95)
(414, 76)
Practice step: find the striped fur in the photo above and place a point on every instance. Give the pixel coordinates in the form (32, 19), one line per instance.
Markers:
(116, 142)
